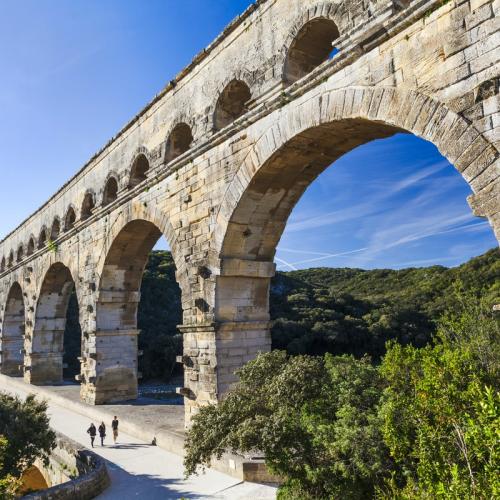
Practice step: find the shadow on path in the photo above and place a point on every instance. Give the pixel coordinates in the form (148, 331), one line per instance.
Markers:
(150, 487)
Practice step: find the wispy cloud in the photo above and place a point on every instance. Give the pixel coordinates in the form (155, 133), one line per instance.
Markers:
(287, 264)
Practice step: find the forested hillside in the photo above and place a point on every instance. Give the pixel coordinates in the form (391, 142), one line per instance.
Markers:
(356, 311)
(320, 310)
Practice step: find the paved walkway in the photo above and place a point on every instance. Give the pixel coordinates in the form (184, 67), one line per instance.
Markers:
(141, 471)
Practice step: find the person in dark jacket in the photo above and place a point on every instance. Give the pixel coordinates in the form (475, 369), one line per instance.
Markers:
(102, 432)
(114, 425)
(92, 432)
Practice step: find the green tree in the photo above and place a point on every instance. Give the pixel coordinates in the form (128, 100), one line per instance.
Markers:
(9, 485)
(315, 420)
(25, 426)
(441, 410)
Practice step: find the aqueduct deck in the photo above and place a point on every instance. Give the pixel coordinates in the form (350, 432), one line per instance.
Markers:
(217, 161)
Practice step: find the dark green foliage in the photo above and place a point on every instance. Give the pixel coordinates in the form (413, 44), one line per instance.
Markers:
(314, 419)
(441, 409)
(353, 311)
(9, 485)
(72, 340)
(424, 424)
(25, 426)
(340, 311)
(159, 314)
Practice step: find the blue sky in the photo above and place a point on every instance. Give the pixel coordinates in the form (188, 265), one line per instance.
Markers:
(75, 71)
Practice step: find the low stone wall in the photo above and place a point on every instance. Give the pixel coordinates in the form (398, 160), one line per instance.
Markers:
(75, 473)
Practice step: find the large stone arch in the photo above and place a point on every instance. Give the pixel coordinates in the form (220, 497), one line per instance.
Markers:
(12, 332)
(110, 356)
(392, 110)
(44, 352)
(137, 211)
(299, 143)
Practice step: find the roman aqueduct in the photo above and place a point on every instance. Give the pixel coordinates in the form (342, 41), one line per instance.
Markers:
(217, 161)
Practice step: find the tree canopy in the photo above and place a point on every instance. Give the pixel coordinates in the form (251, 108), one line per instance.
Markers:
(24, 425)
(425, 423)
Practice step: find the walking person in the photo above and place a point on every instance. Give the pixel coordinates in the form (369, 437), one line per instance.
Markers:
(92, 432)
(114, 426)
(102, 432)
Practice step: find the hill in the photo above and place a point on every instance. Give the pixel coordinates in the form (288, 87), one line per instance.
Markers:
(316, 310)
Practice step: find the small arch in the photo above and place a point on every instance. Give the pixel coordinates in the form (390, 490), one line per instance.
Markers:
(110, 191)
(31, 246)
(87, 205)
(56, 229)
(70, 219)
(138, 172)
(20, 253)
(312, 46)
(179, 141)
(49, 326)
(11, 259)
(232, 103)
(13, 332)
(2, 265)
(42, 239)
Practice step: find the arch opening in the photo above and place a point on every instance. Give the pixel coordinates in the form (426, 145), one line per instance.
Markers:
(42, 239)
(138, 307)
(312, 46)
(31, 246)
(258, 220)
(33, 480)
(110, 191)
(139, 170)
(87, 206)
(11, 259)
(55, 230)
(232, 103)
(20, 253)
(12, 337)
(2, 265)
(179, 141)
(47, 352)
(70, 219)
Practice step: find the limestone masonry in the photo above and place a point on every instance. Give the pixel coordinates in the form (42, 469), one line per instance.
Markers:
(216, 163)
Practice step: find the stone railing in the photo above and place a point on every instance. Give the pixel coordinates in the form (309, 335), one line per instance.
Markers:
(75, 472)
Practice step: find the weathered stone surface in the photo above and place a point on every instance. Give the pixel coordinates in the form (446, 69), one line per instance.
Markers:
(73, 473)
(217, 161)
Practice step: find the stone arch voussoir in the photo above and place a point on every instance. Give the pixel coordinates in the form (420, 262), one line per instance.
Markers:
(137, 211)
(476, 158)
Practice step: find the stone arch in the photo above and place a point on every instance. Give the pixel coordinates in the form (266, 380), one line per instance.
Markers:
(119, 271)
(110, 192)
(12, 332)
(10, 262)
(30, 249)
(179, 141)
(55, 230)
(137, 211)
(139, 167)
(231, 103)
(42, 238)
(20, 253)
(88, 205)
(306, 138)
(310, 47)
(2, 265)
(388, 109)
(45, 360)
(69, 218)
(116, 310)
